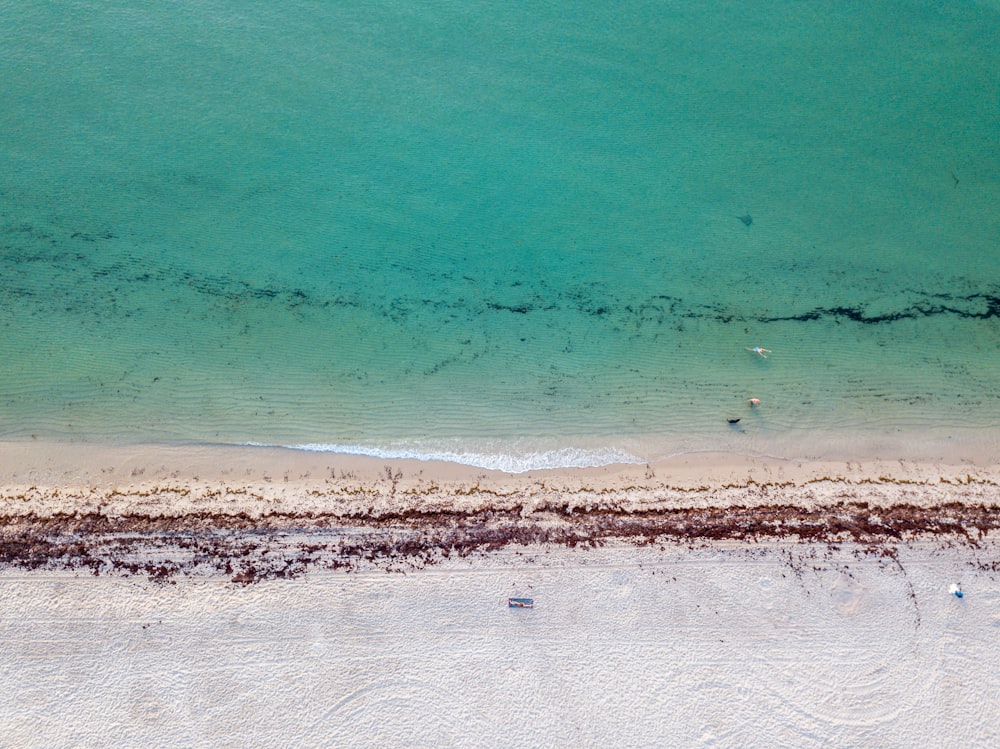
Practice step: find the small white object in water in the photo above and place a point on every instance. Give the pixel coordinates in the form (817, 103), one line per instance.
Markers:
(760, 351)
(955, 590)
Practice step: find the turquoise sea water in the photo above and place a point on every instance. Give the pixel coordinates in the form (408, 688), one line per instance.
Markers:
(505, 233)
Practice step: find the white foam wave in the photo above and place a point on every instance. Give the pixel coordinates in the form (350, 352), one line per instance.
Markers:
(510, 459)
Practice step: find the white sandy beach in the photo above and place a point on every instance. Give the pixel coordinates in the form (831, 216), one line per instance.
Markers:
(774, 642)
(778, 645)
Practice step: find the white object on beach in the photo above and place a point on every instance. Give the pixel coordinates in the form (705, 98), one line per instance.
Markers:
(956, 590)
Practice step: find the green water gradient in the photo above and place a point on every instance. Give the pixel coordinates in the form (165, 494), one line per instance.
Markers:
(513, 226)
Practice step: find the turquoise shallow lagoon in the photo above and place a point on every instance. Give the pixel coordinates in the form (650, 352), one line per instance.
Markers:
(517, 235)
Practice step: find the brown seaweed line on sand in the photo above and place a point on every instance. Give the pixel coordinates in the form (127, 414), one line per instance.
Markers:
(289, 544)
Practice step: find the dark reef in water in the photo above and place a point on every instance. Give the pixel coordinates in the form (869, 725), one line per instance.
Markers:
(69, 259)
(857, 314)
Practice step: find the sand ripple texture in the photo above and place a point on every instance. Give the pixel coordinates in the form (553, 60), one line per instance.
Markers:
(777, 645)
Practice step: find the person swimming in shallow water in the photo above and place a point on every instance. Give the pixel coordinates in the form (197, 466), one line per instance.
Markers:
(760, 351)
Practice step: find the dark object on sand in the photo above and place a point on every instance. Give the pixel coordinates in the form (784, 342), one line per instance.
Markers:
(732, 420)
(521, 603)
(746, 218)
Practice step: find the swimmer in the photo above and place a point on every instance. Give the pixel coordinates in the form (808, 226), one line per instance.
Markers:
(754, 402)
(760, 351)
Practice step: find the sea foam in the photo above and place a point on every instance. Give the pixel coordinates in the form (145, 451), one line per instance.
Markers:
(511, 458)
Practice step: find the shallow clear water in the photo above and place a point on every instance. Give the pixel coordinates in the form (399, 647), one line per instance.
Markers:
(501, 230)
